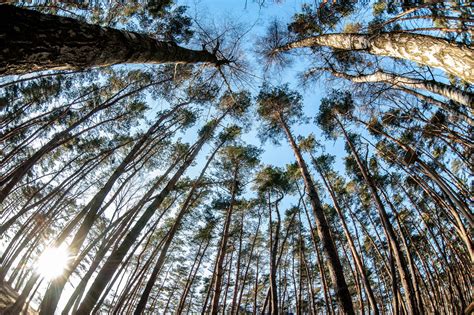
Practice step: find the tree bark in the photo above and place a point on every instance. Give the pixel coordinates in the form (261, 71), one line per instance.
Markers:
(394, 79)
(33, 41)
(454, 58)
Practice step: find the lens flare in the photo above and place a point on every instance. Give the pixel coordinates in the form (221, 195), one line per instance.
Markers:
(52, 262)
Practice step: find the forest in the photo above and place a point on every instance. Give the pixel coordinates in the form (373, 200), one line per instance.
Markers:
(236, 157)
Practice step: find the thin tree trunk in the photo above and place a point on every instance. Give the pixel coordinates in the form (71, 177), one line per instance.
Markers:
(388, 228)
(322, 273)
(192, 276)
(355, 255)
(252, 247)
(192, 197)
(235, 306)
(115, 258)
(255, 294)
(273, 256)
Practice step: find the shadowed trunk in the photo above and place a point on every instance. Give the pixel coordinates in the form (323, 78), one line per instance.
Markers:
(33, 41)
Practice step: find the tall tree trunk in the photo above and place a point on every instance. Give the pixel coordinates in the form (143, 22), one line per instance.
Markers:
(407, 251)
(115, 258)
(388, 228)
(319, 259)
(355, 255)
(53, 293)
(235, 306)
(228, 269)
(192, 197)
(452, 198)
(222, 249)
(273, 255)
(255, 293)
(247, 267)
(336, 271)
(34, 41)
(454, 58)
(192, 275)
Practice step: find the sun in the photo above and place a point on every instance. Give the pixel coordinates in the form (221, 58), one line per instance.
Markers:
(52, 262)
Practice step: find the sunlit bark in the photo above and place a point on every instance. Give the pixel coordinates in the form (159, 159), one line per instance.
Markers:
(454, 58)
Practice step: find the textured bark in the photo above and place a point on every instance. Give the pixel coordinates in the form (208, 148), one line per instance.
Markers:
(439, 88)
(33, 41)
(454, 58)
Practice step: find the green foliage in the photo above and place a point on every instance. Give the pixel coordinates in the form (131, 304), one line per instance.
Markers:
(236, 104)
(272, 179)
(309, 143)
(336, 106)
(277, 104)
(316, 20)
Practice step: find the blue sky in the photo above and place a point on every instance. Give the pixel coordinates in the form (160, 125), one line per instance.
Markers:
(256, 19)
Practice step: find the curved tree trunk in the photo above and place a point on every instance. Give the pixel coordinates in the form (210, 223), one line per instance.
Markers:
(35, 42)
(454, 58)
